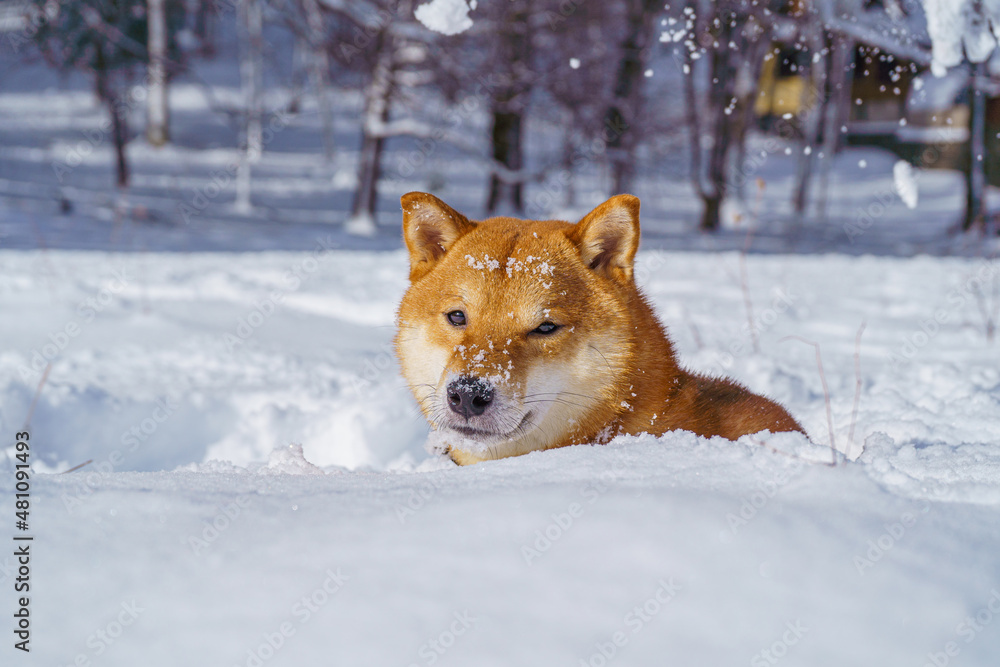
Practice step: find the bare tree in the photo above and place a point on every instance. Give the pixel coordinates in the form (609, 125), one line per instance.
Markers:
(833, 108)
(320, 73)
(108, 39)
(517, 57)
(251, 65)
(509, 103)
(723, 35)
(306, 19)
(975, 172)
(157, 108)
(380, 41)
(200, 20)
(378, 98)
(814, 38)
(624, 108)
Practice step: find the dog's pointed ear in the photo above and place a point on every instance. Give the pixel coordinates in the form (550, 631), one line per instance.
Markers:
(608, 237)
(430, 228)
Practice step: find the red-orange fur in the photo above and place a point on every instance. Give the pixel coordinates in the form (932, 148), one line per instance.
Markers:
(613, 365)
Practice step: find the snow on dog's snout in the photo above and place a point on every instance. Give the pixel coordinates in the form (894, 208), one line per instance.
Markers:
(499, 336)
(487, 415)
(480, 395)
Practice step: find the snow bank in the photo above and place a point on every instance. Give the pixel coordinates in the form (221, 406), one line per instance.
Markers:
(707, 551)
(174, 359)
(259, 493)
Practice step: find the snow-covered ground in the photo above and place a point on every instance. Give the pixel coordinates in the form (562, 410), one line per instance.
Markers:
(257, 492)
(185, 378)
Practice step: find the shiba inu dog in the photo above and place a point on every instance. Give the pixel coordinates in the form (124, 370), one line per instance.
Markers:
(524, 335)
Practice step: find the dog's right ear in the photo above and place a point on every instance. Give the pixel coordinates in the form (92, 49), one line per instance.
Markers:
(608, 237)
(430, 228)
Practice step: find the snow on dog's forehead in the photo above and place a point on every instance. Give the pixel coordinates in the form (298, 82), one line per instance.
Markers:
(519, 253)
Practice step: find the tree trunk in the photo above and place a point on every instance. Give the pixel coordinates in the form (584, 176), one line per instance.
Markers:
(376, 173)
(567, 164)
(722, 89)
(622, 167)
(975, 174)
(199, 21)
(746, 89)
(365, 204)
(157, 108)
(624, 108)
(119, 115)
(119, 125)
(835, 104)
(691, 107)
(508, 104)
(319, 71)
(508, 151)
(378, 97)
(712, 205)
(810, 118)
(250, 74)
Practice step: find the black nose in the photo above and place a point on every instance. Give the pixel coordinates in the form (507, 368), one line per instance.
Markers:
(469, 396)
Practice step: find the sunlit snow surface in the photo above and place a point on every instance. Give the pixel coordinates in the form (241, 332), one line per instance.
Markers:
(217, 529)
(201, 534)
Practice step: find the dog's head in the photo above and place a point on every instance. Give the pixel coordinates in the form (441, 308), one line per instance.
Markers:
(513, 335)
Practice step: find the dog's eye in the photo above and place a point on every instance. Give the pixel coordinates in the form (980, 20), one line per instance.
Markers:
(457, 318)
(545, 328)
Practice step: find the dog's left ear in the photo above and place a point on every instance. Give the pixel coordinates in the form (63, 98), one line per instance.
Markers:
(430, 228)
(608, 237)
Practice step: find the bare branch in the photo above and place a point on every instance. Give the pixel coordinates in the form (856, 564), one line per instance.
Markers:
(826, 394)
(857, 386)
